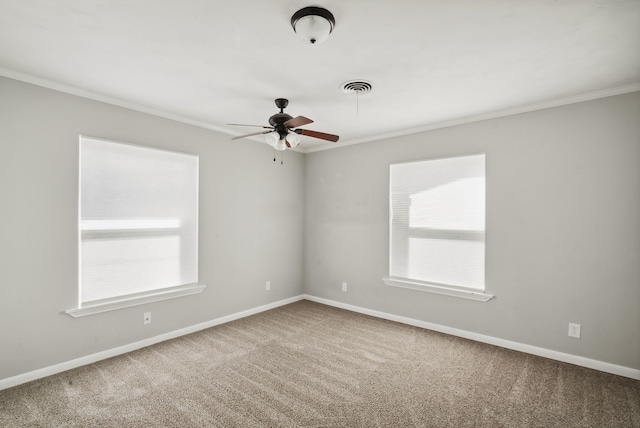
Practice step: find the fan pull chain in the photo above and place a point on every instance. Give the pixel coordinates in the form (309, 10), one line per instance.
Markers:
(281, 157)
(274, 154)
(357, 103)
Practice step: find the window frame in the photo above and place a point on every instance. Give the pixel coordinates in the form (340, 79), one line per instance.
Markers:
(110, 227)
(471, 293)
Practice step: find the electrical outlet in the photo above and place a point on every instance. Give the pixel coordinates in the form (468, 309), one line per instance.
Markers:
(574, 330)
(344, 286)
(268, 286)
(147, 318)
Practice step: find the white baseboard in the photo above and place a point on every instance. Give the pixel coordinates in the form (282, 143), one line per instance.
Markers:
(89, 359)
(516, 346)
(529, 349)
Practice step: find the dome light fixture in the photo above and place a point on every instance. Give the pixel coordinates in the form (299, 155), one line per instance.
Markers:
(313, 24)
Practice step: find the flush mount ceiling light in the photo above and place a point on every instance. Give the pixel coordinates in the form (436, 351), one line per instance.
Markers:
(313, 24)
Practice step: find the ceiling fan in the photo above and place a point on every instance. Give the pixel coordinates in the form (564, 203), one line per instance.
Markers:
(281, 135)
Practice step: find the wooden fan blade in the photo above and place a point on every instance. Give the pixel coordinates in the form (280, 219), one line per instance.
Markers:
(253, 133)
(297, 121)
(255, 126)
(316, 134)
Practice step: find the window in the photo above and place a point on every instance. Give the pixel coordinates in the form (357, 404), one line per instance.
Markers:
(138, 225)
(437, 226)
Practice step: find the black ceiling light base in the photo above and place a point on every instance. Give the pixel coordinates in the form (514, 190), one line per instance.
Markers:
(313, 30)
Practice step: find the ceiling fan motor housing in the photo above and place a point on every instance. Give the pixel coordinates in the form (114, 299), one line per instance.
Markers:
(277, 121)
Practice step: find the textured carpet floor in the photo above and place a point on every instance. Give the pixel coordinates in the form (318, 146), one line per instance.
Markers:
(310, 365)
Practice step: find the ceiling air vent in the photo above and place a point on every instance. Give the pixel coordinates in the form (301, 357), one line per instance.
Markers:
(359, 87)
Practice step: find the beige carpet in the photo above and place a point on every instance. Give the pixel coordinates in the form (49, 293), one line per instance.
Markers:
(310, 365)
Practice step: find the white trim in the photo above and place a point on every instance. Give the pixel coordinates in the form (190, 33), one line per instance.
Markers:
(534, 350)
(46, 83)
(89, 359)
(516, 346)
(128, 301)
(479, 296)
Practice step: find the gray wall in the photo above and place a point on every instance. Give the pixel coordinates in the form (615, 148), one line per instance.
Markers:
(563, 227)
(251, 226)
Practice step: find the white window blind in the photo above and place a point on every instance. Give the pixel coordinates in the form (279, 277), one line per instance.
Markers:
(438, 222)
(138, 220)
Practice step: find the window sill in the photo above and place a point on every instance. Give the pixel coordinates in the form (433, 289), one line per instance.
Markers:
(125, 302)
(438, 289)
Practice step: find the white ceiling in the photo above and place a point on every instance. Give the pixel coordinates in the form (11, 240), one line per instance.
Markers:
(431, 62)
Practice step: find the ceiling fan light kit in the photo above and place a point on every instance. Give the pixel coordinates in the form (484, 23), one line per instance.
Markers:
(313, 24)
(274, 140)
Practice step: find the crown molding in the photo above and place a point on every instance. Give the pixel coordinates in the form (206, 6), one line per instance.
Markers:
(526, 108)
(620, 90)
(72, 90)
